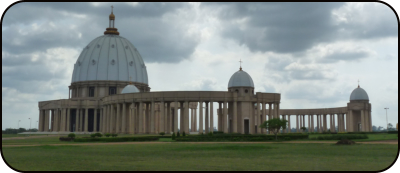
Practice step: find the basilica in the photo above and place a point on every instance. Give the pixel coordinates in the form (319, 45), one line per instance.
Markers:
(110, 93)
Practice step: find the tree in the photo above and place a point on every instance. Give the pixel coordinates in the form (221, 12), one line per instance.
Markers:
(303, 128)
(390, 127)
(374, 128)
(274, 125)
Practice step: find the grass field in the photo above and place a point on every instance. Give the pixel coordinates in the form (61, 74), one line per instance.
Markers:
(181, 156)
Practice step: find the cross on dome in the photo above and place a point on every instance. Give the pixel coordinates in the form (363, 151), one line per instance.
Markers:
(240, 64)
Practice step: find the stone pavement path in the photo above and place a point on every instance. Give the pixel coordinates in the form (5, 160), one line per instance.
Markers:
(393, 142)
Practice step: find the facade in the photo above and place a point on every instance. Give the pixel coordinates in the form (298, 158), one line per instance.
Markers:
(110, 93)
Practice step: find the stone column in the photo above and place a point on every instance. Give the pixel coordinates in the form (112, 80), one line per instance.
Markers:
(140, 123)
(195, 120)
(86, 119)
(152, 118)
(56, 120)
(169, 118)
(220, 125)
(225, 121)
(270, 111)
(176, 117)
(201, 118)
(362, 121)
(235, 118)
(325, 123)
(370, 121)
(263, 116)
(77, 113)
(81, 125)
(297, 123)
(206, 119)
(124, 117)
(318, 123)
(68, 128)
(182, 117)
(162, 105)
(95, 120)
(212, 117)
(258, 117)
(289, 128)
(118, 119)
(40, 121)
(333, 122)
(252, 122)
(186, 117)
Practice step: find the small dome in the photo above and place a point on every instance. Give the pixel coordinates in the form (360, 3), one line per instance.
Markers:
(112, 16)
(130, 89)
(241, 79)
(359, 94)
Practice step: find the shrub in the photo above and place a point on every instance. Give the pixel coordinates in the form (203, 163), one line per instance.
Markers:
(287, 138)
(114, 135)
(183, 133)
(178, 135)
(217, 132)
(107, 135)
(66, 139)
(210, 134)
(71, 135)
(98, 135)
(162, 133)
(93, 135)
(173, 136)
(393, 132)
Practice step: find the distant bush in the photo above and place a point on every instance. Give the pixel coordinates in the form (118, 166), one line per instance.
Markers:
(71, 135)
(98, 135)
(239, 137)
(340, 137)
(107, 135)
(119, 139)
(287, 138)
(66, 139)
(393, 132)
(93, 135)
(114, 135)
(210, 134)
(183, 133)
(217, 132)
(162, 133)
(173, 136)
(178, 135)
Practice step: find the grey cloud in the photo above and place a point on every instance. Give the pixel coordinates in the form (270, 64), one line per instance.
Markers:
(157, 41)
(296, 27)
(345, 56)
(279, 27)
(314, 93)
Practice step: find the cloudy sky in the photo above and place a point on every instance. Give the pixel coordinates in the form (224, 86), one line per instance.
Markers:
(311, 53)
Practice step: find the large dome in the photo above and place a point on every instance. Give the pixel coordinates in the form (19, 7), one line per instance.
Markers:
(240, 79)
(112, 58)
(359, 94)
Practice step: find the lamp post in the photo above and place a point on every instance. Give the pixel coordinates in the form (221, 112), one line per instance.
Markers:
(18, 123)
(30, 122)
(387, 125)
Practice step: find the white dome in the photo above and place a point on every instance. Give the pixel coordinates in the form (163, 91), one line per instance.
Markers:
(359, 94)
(112, 58)
(130, 89)
(240, 79)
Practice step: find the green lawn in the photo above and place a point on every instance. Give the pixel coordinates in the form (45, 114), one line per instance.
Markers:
(182, 156)
(371, 137)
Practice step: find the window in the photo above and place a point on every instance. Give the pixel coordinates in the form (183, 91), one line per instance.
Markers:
(112, 91)
(246, 91)
(237, 91)
(91, 91)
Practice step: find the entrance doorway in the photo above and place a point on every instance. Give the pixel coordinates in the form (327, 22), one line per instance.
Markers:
(246, 126)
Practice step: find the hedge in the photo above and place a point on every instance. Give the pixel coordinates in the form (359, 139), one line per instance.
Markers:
(393, 132)
(340, 137)
(117, 139)
(66, 139)
(236, 137)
